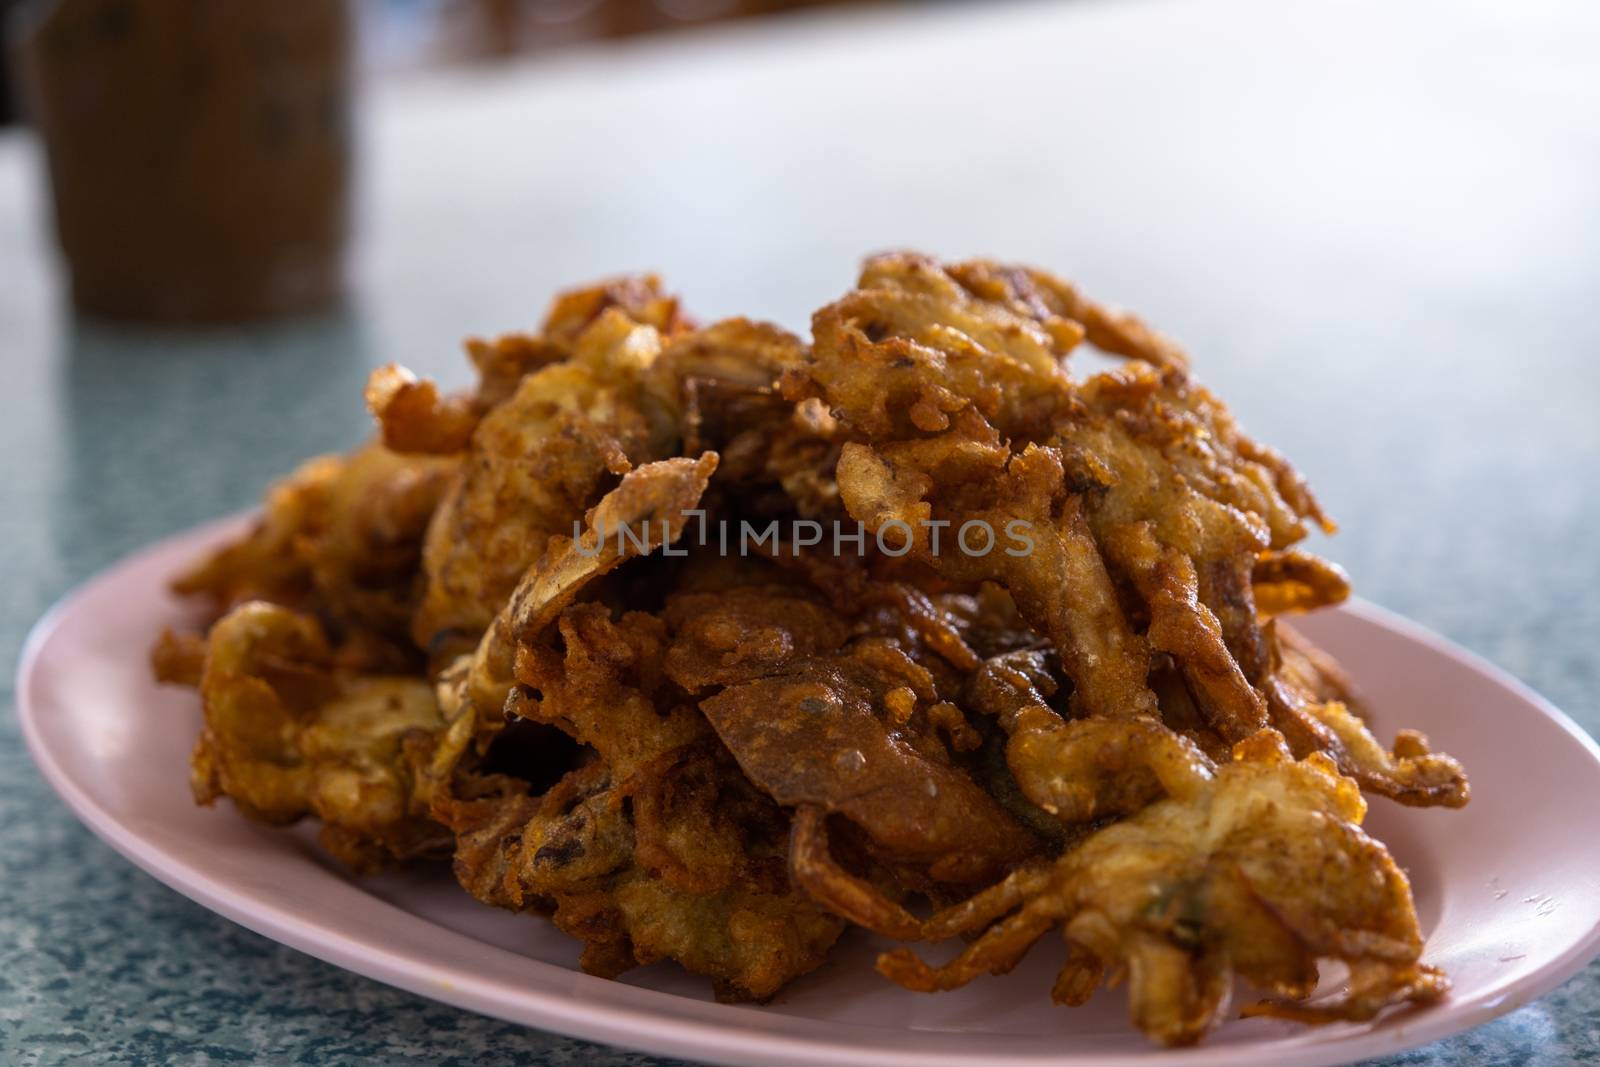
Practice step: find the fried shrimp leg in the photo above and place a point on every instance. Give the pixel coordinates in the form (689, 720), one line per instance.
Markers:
(1261, 873)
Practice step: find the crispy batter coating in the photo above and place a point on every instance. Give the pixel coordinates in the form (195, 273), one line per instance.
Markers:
(1260, 872)
(340, 538)
(823, 732)
(723, 381)
(1053, 682)
(413, 416)
(655, 847)
(834, 719)
(1312, 693)
(1312, 672)
(1135, 485)
(179, 659)
(653, 502)
(537, 462)
(287, 734)
(1293, 580)
(625, 393)
(266, 563)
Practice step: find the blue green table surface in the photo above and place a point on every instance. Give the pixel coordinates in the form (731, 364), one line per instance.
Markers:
(1376, 225)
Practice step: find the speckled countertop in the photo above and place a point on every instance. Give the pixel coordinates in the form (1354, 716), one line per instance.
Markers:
(1376, 224)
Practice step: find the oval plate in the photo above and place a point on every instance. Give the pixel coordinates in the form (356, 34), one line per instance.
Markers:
(1508, 893)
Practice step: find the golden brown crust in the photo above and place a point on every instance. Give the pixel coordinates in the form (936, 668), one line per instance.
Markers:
(1098, 723)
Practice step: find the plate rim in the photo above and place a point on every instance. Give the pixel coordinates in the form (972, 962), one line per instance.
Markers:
(639, 1028)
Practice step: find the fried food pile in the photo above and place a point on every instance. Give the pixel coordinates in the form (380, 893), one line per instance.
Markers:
(708, 643)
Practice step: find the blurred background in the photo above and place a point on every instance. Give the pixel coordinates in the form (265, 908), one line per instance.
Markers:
(1374, 223)
(403, 35)
(200, 153)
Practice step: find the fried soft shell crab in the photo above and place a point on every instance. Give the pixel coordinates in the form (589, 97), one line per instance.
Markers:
(439, 648)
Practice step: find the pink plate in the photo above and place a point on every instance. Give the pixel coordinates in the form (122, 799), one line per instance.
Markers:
(1508, 892)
